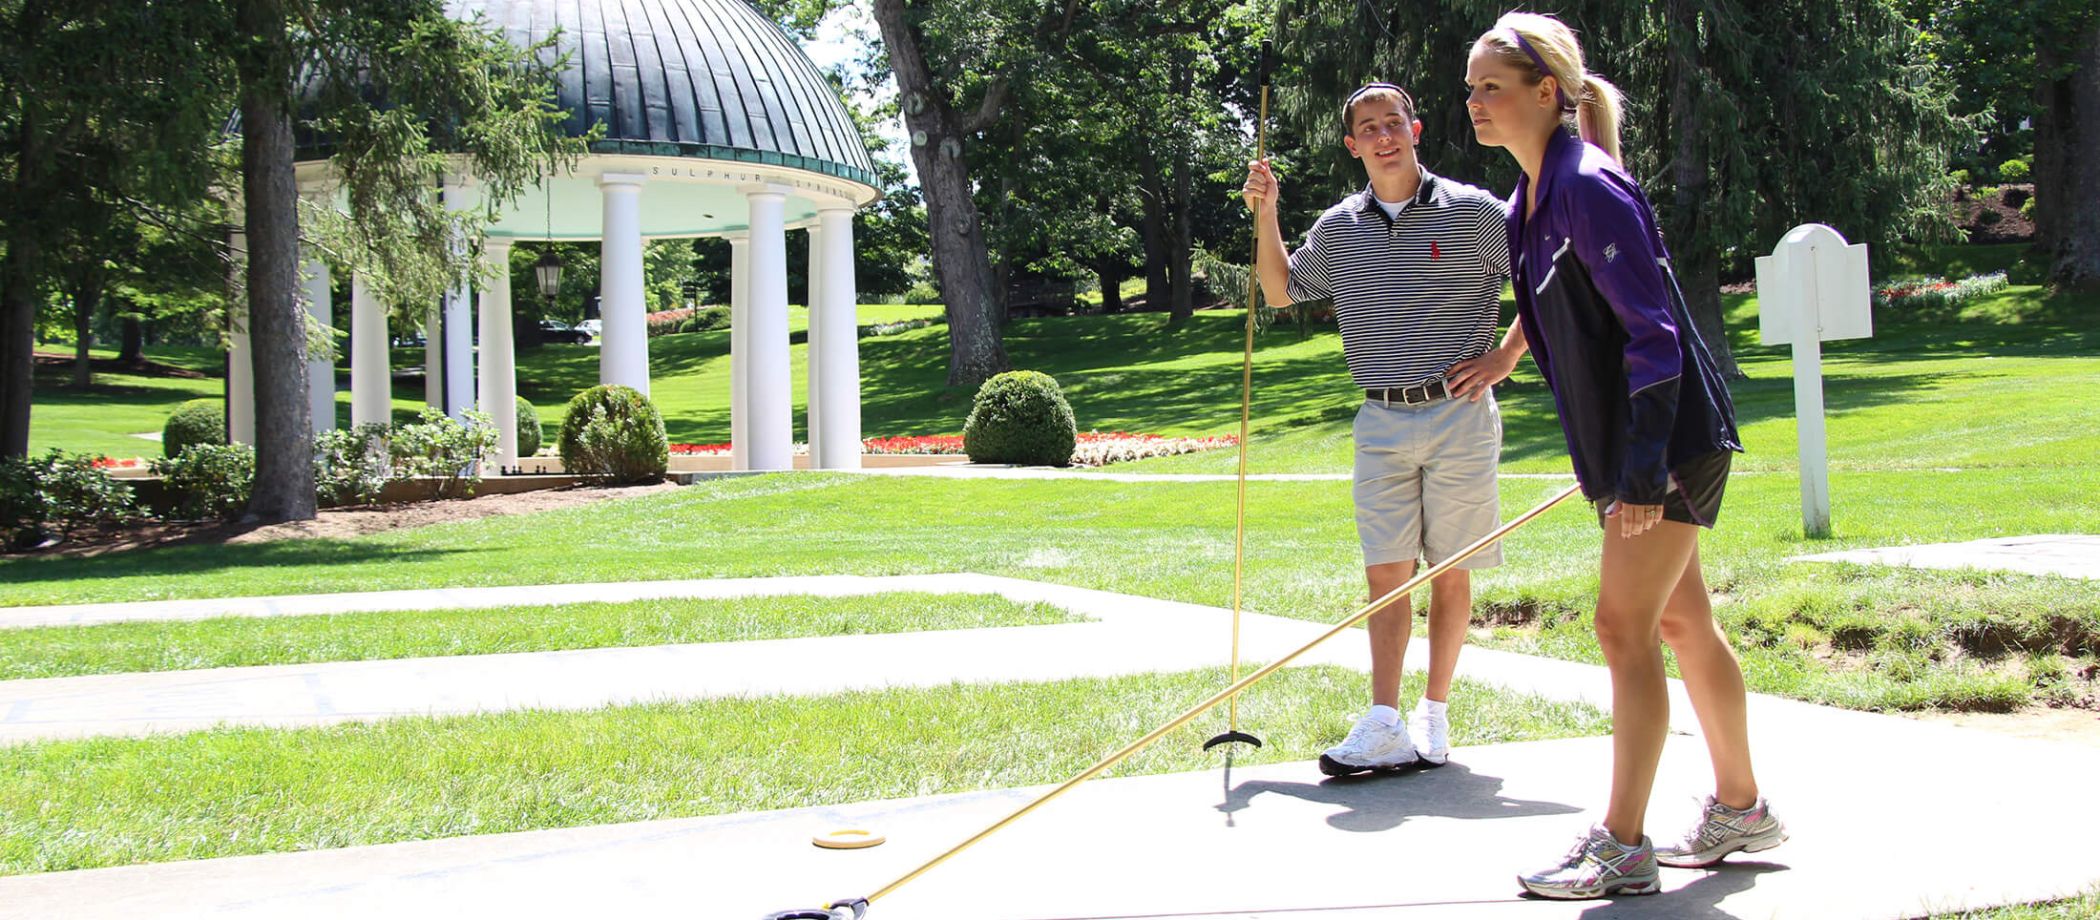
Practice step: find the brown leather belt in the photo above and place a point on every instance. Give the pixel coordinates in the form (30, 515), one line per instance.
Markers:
(1418, 395)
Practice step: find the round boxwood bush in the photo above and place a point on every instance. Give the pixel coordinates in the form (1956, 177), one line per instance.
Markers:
(613, 434)
(529, 433)
(199, 421)
(1020, 417)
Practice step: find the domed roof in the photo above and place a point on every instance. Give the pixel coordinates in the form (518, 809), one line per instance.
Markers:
(705, 79)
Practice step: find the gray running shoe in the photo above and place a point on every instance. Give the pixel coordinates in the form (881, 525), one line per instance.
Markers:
(1371, 745)
(1723, 830)
(1599, 866)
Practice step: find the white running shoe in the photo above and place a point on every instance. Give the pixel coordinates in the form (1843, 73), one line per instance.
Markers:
(1371, 745)
(1434, 729)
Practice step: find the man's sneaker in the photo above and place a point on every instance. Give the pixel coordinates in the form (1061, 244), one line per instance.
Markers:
(1434, 728)
(1371, 745)
(1599, 866)
(1723, 830)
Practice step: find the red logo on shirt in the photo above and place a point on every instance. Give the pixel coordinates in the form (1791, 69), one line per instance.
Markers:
(1434, 252)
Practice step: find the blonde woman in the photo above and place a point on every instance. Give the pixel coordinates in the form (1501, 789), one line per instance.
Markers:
(1651, 431)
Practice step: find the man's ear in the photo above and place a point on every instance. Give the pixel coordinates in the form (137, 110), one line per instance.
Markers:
(1416, 125)
(1349, 141)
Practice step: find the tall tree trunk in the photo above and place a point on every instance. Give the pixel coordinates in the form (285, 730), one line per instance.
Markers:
(1152, 226)
(1690, 236)
(134, 339)
(17, 340)
(2067, 173)
(1180, 271)
(87, 299)
(1110, 270)
(960, 263)
(284, 471)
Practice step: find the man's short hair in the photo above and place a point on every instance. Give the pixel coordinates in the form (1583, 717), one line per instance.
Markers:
(1375, 91)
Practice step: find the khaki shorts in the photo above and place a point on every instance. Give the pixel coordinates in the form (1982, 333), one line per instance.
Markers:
(1425, 480)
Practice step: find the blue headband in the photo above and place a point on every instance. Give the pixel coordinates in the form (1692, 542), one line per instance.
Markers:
(1540, 62)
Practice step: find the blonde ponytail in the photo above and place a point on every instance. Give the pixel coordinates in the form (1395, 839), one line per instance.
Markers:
(1597, 115)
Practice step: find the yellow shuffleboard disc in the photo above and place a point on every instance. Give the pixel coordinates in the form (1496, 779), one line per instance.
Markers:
(848, 839)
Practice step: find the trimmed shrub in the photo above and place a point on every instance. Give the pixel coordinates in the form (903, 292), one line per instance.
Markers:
(351, 465)
(705, 319)
(445, 453)
(56, 490)
(613, 434)
(199, 421)
(529, 431)
(207, 481)
(1020, 417)
(2016, 169)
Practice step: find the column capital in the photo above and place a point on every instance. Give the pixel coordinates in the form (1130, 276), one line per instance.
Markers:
(496, 244)
(830, 203)
(764, 190)
(627, 180)
(738, 237)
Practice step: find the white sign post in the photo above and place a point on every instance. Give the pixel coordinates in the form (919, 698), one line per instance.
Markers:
(1813, 289)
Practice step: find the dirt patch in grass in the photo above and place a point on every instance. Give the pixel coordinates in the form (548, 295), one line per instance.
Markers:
(343, 523)
(145, 367)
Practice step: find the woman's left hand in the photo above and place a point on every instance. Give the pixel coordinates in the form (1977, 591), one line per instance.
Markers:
(1635, 520)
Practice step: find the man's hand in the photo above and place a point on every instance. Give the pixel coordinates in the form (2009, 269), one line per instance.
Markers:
(1261, 188)
(1475, 377)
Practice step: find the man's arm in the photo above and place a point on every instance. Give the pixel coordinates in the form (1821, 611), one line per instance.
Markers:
(1473, 377)
(1273, 263)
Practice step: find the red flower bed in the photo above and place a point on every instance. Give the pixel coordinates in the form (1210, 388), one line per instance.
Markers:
(1095, 448)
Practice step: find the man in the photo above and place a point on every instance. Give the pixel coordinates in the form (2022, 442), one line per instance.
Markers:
(1415, 265)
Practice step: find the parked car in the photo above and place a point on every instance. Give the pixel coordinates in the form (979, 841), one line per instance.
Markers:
(594, 328)
(552, 330)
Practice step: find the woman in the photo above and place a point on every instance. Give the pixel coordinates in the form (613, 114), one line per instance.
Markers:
(1651, 431)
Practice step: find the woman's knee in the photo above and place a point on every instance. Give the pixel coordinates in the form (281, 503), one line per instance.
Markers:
(1625, 629)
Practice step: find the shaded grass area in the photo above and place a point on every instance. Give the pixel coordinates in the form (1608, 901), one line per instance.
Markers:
(1174, 540)
(84, 804)
(2005, 380)
(120, 648)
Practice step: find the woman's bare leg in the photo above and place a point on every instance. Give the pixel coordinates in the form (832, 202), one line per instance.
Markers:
(1639, 575)
(1714, 680)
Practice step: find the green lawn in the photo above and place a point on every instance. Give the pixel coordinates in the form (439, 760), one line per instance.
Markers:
(84, 804)
(120, 648)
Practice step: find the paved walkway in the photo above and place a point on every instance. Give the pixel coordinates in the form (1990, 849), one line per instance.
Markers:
(1892, 817)
(2069, 555)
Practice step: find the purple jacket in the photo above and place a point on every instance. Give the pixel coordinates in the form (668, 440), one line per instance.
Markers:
(1637, 390)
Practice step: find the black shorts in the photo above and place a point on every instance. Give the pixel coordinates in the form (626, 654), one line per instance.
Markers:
(1696, 494)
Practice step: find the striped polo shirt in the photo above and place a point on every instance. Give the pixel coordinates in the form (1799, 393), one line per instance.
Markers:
(1413, 294)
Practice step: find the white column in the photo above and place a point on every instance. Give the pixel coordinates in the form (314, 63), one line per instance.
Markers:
(498, 364)
(772, 411)
(240, 361)
(813, 391)
(623, 356)
(434, 355)
(739, 351)
(459, 349)
(840, 354)
(320, 367)
(371, 378)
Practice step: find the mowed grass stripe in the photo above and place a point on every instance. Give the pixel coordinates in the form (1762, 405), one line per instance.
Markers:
(107, 802)
(123, 648)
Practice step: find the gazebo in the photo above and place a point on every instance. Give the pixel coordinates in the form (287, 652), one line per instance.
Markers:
(715, 124)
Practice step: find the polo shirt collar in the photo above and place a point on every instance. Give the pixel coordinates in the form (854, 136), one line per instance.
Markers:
(1424, 193)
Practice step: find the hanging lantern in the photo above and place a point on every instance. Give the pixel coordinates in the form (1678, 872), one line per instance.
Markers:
(548, 271)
